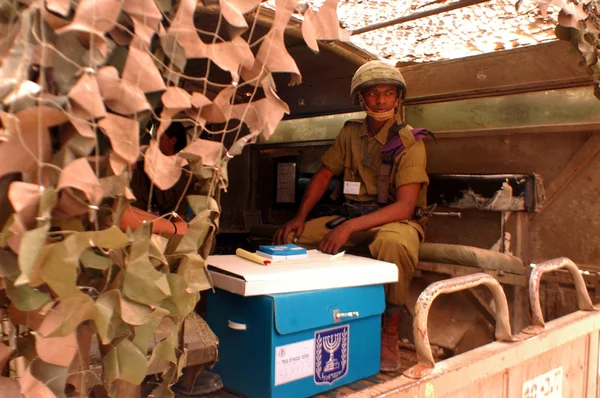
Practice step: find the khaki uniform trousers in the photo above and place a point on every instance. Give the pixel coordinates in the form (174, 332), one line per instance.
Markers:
(396, 243)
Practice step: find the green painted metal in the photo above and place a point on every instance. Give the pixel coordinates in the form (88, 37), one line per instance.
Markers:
(572, 105)
(542, 108)
(310, 129)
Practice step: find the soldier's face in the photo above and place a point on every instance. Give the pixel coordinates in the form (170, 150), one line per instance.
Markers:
(167, 144)
(380, 98)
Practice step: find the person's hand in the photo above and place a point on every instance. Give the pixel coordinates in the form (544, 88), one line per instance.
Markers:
(295, 225)
(335, 239)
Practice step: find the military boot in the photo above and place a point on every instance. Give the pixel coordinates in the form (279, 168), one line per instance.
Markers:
(390, 353)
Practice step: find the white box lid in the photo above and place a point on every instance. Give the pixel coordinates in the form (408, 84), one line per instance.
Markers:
(243, 277)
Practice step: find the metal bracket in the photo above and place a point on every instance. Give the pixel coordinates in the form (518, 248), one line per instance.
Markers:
(583, 298)
(339, 316)
(424, 355)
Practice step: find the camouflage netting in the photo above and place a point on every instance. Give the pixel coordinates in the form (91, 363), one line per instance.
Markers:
(579, 23)
(82, 85)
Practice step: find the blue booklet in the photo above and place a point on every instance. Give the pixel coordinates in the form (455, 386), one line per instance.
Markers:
(283, 250)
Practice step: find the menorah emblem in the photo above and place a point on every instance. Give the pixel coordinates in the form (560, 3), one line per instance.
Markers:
(331, 344)
(331, 354)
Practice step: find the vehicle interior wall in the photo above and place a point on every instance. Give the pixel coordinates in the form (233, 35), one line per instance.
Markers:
(530, 110)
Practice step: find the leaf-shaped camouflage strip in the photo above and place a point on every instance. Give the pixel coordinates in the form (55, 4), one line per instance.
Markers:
(103, 75)
(28, 139)
(31, 387)
(124, 135)
(86, 94)
(94, 18)
(198, 231)
(79, 174)
(34, 241)
(180, 302)
(8, 263)
(173, 50)
(80, 376)
(322, 25)
(10, 388)
(192, 268)
(146, 17)
(58, 351)
(163, 170)
(272, 53)
(163, 392)
(107, 317)
(91, 260)
(119, 95)
(168, 358)
(124, 362)
(163, 353)
(31, 319)
(59, 268)
(5, 353)
(145, 333)
(25, 298)
(143, 283)
(233, 10)
(70, 313)
(139, 314)
(140, 71)
(43, 380)
(25, 198)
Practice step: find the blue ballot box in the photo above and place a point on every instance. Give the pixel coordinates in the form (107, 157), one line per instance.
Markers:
(300, 343)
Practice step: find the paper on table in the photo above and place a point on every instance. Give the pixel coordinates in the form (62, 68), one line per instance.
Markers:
(313, 255)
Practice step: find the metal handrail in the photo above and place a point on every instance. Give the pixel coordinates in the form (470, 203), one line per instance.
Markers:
(583, 298)
(426, 363)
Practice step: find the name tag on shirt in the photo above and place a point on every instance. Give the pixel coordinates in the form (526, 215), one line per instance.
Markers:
(351, 187)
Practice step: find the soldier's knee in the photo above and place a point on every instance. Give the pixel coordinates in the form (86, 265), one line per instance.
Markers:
(390, 240)
(400, 247)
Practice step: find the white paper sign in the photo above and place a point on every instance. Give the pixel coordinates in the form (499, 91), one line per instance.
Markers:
(548, 385)
(286, 183)
(294, 361)
(351, 187)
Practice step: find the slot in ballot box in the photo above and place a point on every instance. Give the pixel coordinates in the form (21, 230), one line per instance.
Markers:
(295, 329)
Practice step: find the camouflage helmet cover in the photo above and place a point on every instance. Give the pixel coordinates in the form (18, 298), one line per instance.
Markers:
(373, 73)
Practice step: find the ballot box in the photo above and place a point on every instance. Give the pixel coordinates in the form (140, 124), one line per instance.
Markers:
(295, 329)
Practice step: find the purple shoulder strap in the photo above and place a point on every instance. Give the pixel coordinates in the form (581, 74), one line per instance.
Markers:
(394, 147)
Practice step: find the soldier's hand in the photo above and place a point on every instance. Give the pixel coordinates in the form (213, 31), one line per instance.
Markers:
(335, 239)
(295, 225)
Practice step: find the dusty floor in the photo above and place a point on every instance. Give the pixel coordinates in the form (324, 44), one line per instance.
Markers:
(409, 359)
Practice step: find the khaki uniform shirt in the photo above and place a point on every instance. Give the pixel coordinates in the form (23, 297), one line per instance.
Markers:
(353, 144)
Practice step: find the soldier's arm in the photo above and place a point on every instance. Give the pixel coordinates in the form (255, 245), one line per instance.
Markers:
(401, 209)
(133, 218)
(316, 188)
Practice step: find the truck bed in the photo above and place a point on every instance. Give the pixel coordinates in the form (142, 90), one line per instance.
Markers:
(408, 359)
(561, 361)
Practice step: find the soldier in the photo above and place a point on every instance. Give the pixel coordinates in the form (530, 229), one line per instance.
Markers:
(172, 141)
(383, 165)
(162, 202)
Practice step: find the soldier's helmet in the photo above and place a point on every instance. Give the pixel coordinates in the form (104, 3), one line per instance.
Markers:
(373, 73)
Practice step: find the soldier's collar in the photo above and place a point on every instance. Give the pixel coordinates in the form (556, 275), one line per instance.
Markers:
(382, 135)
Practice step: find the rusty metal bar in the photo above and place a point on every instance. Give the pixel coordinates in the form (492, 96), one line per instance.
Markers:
(418, 15)
(583, 298)
(424, 355)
